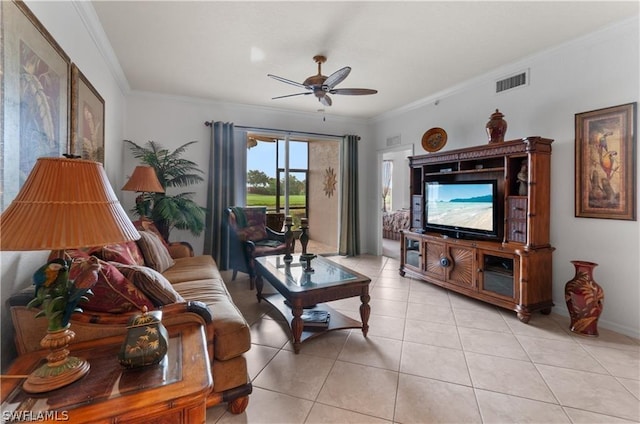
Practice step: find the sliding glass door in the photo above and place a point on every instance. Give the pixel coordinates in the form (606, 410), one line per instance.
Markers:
(281, 177)
(292, 172)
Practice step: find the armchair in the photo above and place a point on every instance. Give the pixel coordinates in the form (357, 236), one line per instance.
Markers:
(249, 238)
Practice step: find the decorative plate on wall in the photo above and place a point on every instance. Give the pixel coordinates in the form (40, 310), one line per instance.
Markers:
(434, 139)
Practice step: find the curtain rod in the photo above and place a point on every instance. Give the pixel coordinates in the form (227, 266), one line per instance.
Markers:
(210, 123)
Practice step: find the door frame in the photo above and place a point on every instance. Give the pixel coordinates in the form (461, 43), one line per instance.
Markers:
(410, 148)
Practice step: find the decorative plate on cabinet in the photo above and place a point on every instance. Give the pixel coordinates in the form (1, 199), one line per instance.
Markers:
(434, 139)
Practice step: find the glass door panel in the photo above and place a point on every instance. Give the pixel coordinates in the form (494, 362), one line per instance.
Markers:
(498, 274)
(297, 194)
(261, 175)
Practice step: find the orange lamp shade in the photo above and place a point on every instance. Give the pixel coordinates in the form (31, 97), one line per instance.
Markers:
(64, 204)
(144, 179)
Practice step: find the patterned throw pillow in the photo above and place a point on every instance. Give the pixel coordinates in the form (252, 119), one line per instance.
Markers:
(151, 282)
(253, 233)
(256, 228)
(126, 253)
(155, 252)
(255, 216)
(112, 293)
(145, 224)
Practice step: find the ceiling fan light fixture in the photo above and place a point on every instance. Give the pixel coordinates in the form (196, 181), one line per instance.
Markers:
(321, 85)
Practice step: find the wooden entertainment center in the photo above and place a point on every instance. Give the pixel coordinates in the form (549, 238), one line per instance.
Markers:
(513, 269)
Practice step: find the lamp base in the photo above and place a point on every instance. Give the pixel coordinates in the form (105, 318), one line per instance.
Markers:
(60, 369)
(47, 377)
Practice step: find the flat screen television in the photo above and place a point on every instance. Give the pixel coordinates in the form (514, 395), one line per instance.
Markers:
(463, 209)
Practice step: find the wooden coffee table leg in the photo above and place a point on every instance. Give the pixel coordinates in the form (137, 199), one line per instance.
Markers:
(365, 310)
(296, 326)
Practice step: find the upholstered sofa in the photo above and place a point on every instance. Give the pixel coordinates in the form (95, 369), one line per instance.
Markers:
(188, 287)
(393, 222)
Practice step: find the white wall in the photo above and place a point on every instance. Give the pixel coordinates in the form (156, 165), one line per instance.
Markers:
(598, 71)
(65, 24)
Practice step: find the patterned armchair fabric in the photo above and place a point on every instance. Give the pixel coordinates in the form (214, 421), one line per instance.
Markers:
(393, 222)
(250, 238)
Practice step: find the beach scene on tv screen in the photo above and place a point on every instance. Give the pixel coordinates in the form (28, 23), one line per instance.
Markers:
(461, 205)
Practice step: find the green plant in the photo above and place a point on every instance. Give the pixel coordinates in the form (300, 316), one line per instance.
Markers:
(170, 211)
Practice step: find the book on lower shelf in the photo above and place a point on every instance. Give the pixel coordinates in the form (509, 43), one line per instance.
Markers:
(316, 318)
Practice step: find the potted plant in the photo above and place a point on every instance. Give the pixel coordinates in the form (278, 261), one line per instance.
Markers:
(170, 211)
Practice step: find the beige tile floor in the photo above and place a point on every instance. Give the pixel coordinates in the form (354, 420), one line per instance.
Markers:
(433, 356)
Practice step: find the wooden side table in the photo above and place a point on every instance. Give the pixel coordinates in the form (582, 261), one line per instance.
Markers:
(174, 391)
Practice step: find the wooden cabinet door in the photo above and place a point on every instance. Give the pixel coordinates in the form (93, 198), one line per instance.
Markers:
(435, 256)
(450, 263)
(499, 274)
(412, 252)
(462, 268)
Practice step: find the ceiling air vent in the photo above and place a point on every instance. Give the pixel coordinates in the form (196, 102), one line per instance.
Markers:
(393, 141)
(512, 82)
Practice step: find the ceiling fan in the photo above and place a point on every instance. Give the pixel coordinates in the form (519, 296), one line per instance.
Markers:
(321, 86)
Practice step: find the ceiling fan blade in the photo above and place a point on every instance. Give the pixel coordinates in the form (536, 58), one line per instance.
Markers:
(353, 91)
(325, 100)
(337, 77)
(291, 95)
(286, 81)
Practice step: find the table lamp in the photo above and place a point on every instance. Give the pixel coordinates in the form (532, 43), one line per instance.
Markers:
(63, 204)
(143, 180)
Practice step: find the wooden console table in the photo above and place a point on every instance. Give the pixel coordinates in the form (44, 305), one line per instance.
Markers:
(174, 391)
(513, 268)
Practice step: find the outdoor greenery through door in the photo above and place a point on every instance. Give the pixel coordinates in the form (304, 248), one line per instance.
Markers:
(267, 166)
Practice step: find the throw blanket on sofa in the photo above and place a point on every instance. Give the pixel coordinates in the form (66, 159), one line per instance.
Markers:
(241, 218)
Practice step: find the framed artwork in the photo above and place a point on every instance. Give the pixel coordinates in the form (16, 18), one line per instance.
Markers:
(87, 118)
(34, 106)
(605, 163)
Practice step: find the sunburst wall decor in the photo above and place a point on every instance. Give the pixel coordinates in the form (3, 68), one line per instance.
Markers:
(330, 181)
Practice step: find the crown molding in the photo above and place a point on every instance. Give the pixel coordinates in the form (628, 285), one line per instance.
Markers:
(93, 26)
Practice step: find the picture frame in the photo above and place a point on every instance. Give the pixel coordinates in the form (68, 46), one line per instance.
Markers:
(605, 160)
(34, 97)
(87, 118)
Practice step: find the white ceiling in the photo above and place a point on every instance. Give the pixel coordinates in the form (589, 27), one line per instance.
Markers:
(408, 51)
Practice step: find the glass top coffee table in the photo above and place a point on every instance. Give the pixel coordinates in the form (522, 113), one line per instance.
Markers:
(301, 291)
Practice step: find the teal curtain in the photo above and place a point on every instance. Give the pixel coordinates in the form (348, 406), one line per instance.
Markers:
(349, 211)
(220, 192)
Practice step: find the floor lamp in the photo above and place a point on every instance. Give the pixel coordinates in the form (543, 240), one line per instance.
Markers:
(63, 204)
